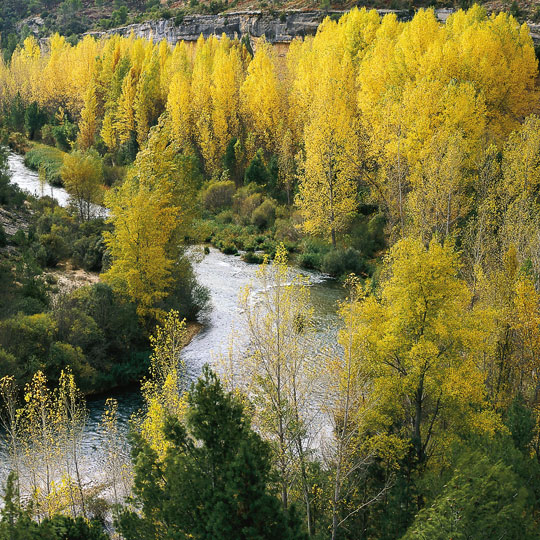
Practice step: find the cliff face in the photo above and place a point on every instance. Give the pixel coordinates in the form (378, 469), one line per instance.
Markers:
(276, 28)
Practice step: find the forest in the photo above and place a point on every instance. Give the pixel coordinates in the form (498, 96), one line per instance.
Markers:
(400, 159)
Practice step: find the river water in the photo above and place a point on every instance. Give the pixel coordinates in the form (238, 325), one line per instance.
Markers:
(224, 276)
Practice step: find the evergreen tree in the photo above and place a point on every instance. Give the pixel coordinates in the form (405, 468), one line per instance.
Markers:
(213, 481)
(483, 500)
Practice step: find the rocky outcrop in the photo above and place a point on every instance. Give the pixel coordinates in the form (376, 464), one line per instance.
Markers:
(278, 28)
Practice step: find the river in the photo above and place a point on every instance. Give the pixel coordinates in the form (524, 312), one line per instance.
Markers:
(224, 276)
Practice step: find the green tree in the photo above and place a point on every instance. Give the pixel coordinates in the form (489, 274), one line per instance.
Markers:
(483, 500)
(213, 480)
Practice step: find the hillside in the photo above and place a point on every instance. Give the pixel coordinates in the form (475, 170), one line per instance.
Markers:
(74, 17)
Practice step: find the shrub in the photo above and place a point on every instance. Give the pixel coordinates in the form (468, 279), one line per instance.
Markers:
(339, 262)
(225, 217)
(64, 135)
(245, 202)
(47, 134)
(229, 249)
(3, 236)
(19, 238)
(218, 195)
(257, 172)
(367, 234)
(264, 215)
(286, 231)
(10, 194)
(252, 258)
(52, 249)
(17, 142)
(313, 252)
(88, 253)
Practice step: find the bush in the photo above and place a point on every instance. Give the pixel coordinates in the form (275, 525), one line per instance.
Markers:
(10, 194)
(264, 215)
(47, 135)
(339, 262)
(229, 249)
(245, 201)
(52, 249)
(64, 135)
(257, 172)
(225, 217)
(3, 236)
(286, 231)
(252, 258)
(19, 238)
(88, 253)
(313, 252)
(367, 234)
(218, 195)
(17, 142)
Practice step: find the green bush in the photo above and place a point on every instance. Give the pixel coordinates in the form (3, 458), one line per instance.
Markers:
(264, 215)
(229, 249)
(367, 234)
(47, 135)
(245, 201)
(3, 236)
(339, 262)
(256, 171)
(218, 195)
(64, 135)
(252, 258)
(88, 253)
(286, 231)
(54, 249)
(313, 252)
(19, 238)
(225, 217)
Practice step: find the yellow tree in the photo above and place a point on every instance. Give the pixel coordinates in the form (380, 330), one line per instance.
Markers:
(418, 344)
(148, 104)
(89, 122)
(201, 97)
(327, 194)
(151, 212)
(163, 390)
(71, 420)
(353, 445)
(226, 78)
(262, 100)
(82, 174)
(179, 105)
(278, 370)
(125, 113)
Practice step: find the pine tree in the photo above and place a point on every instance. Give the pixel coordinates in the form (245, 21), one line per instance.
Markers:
(213, 482)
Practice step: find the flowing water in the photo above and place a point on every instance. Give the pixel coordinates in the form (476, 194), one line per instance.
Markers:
(224, 276)
(29, 181)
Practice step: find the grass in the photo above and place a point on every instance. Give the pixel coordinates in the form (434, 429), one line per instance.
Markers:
(47, 157)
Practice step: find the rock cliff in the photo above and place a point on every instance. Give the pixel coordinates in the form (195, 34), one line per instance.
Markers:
(278, 28)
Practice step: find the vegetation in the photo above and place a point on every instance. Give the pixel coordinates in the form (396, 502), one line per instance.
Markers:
(406, 153)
